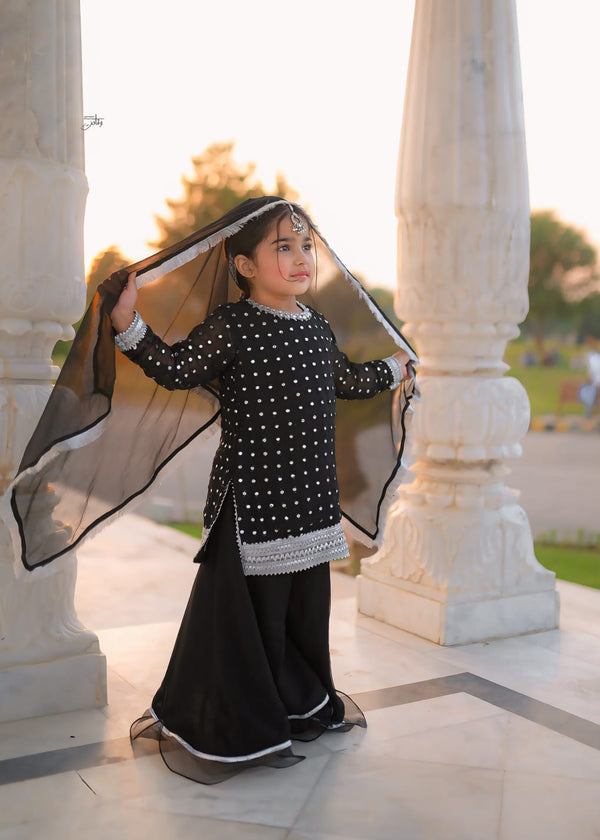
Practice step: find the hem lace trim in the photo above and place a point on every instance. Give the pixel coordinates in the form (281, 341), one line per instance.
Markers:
(294, 554)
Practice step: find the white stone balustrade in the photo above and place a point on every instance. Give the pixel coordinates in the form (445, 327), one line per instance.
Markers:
(457, 564)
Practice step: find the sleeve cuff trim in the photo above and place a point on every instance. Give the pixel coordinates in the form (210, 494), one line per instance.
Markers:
(131, 337)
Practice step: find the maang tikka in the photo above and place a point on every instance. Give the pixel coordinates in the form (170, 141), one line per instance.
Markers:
(298, 225)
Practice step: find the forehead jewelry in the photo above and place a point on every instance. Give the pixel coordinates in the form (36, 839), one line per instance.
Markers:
(298, 225)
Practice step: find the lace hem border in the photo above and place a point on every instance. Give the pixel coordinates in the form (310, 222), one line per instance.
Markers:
(294, 554)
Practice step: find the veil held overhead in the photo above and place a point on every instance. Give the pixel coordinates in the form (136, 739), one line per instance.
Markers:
(108, 432)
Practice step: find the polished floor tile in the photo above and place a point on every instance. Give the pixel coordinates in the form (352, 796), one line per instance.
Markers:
(117, 821)
(43, 799)
(479, 741)
(537, 750)
(564, 681)
(549, 808)
(264, 796)
(384, 796)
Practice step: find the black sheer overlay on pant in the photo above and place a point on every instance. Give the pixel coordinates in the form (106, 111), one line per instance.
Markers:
(250, 670)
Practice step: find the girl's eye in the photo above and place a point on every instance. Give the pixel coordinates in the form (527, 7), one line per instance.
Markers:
(308, 246)
(283, 248)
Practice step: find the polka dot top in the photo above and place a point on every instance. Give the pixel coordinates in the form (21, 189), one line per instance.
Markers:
(279, 375)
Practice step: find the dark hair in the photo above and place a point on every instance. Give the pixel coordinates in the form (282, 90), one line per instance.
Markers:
(249, 237)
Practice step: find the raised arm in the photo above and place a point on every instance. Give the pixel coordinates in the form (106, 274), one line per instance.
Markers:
(195, 360)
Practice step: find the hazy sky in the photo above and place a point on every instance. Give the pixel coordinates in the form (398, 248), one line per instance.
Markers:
(315, 90)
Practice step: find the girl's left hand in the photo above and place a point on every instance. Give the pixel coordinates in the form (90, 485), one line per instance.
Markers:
(404, 359)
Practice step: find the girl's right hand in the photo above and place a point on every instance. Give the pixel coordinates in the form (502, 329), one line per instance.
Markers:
(123, 312)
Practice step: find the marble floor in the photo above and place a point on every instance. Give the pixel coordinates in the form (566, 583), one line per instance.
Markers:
(496, 740)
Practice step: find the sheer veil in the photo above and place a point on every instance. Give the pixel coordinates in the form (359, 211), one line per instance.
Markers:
(108, 432)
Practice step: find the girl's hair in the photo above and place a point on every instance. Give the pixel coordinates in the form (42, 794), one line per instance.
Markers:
(248, 238)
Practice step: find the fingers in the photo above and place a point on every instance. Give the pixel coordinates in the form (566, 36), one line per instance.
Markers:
(404, 360)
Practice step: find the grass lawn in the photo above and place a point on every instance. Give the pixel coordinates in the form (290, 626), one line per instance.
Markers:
(188, 528)
(543, 383)
(578, 565)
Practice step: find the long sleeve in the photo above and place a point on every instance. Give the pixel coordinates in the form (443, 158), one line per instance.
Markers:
(359, 381)
(195, 360)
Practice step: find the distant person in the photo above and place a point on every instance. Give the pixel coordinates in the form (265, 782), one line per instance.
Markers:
(588, 393)
(551, 358)
(529, 359)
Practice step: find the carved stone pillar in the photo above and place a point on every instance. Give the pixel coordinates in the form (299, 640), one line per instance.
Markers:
(457, 563)
(48, 661)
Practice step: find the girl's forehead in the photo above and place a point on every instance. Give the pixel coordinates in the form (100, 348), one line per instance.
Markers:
(283, 227)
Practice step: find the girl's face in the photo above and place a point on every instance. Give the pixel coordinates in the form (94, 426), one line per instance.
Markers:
(283, 264)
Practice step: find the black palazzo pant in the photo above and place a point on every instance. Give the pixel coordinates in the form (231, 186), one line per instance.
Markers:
(250, 669)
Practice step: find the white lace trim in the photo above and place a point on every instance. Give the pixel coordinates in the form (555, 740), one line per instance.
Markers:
(396, 370)
(294, 554)
(131, 337)
(305, 315)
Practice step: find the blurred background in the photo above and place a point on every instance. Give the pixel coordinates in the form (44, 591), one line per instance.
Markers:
(206, 105)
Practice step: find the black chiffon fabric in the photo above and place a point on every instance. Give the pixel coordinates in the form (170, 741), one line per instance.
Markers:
(250, 671)
(103, 413)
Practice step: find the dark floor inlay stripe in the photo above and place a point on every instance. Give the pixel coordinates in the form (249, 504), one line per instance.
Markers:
(61, 761)
(579, 729)
(109, 752)
(397, 695)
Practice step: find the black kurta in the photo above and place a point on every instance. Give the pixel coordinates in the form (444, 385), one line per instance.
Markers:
(278, 375)
(251, 669)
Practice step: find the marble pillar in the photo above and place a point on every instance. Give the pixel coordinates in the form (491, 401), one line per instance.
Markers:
(457, 563)
(48, 661)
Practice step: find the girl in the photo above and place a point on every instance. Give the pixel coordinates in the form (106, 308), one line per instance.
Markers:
(250, 669)
(272, 506)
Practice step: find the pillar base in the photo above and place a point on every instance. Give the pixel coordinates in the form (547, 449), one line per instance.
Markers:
(455, 622)
(48, 688)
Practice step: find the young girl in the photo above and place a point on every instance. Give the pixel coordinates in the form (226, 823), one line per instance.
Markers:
(272, 506)
(250, 670)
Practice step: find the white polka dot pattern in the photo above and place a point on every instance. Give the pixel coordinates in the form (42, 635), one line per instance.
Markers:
(279, 378)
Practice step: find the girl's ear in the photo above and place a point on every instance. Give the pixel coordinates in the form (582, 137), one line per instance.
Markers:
(244, 266)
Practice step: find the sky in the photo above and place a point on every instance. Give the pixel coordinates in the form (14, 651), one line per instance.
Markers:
(314, 90)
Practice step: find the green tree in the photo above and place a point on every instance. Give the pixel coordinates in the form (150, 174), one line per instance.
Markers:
(385, 300)
(217, 185)
(588, 316)
(561, 271)
(103, 265)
